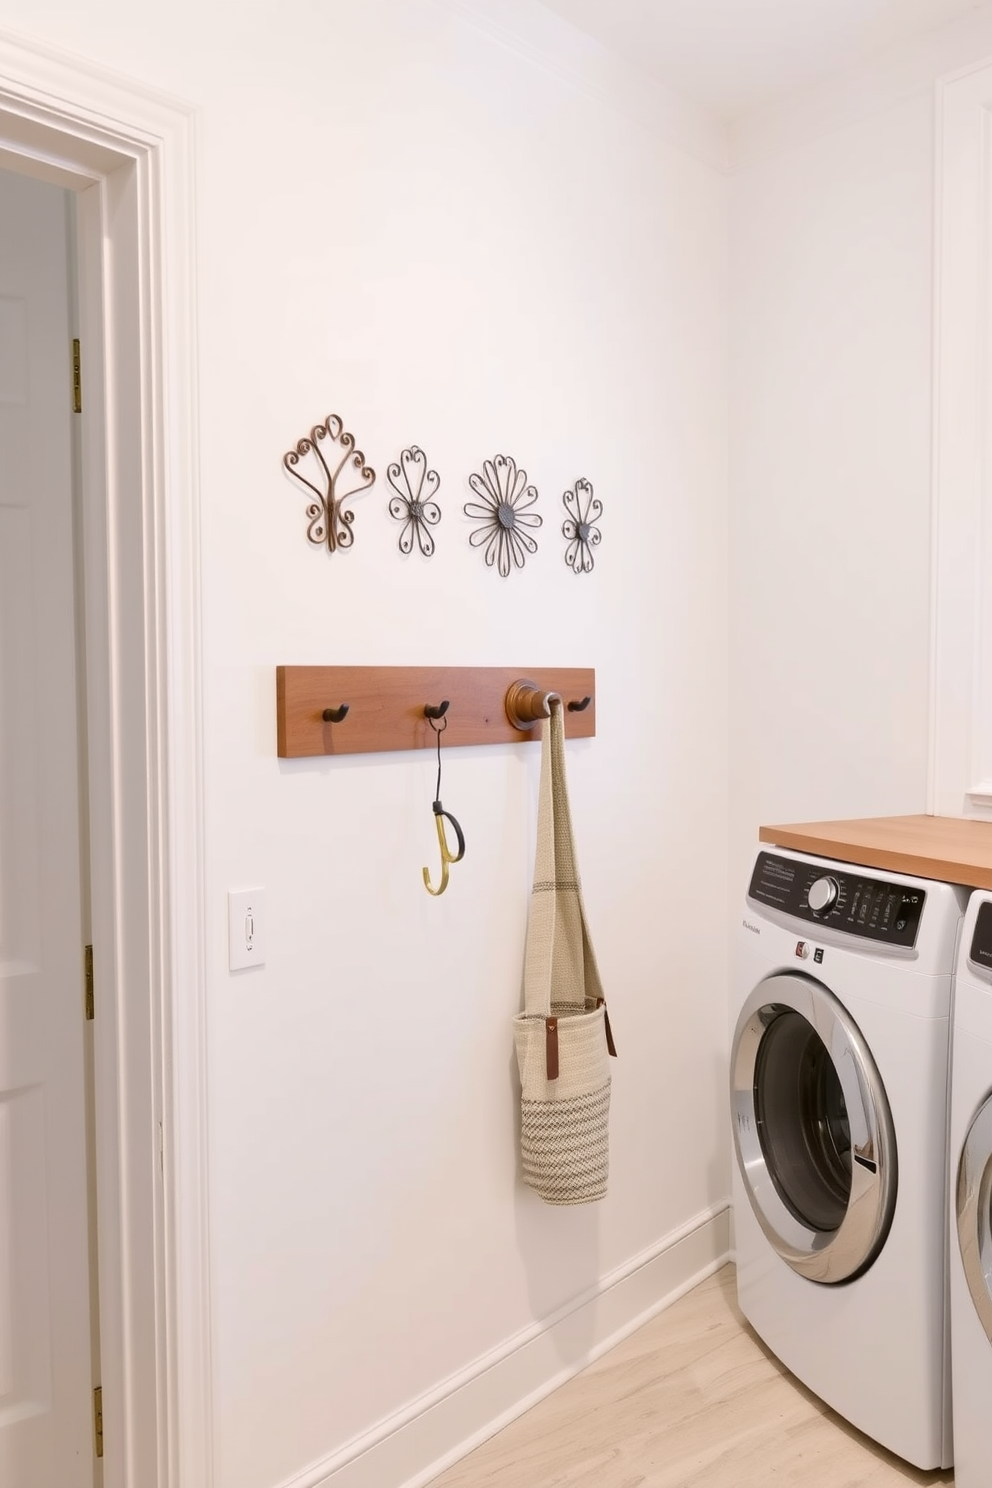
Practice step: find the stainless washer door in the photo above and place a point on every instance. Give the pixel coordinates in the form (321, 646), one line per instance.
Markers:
(812, 1128)
(974, 1212)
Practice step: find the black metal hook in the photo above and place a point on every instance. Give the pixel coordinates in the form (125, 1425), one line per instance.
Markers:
(430, 711)
(335, 715)
(574, 707)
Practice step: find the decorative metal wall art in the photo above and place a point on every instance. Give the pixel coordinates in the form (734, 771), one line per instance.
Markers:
(584, 509)
(505, 498)
(327, 450)
(413, 503)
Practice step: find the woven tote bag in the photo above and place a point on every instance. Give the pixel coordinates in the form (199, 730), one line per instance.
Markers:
(563, 1039)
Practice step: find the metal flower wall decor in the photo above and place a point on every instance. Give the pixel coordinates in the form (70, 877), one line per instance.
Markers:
(503, 511)
(327, 451)
(584, 509)
(413, 504)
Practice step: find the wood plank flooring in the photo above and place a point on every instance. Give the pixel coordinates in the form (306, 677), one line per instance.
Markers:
(691, 1400)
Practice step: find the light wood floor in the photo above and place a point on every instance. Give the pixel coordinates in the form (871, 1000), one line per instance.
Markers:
(691, 1400)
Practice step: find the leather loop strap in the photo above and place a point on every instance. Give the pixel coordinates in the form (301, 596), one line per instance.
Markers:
(551, 1045)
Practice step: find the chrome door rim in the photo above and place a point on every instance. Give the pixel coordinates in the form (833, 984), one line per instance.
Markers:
(829, 1256)
(973, 1197)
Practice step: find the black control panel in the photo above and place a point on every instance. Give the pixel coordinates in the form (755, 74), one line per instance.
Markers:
(821, 894)
(981, 941)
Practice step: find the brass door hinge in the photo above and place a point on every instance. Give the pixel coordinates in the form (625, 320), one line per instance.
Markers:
(98, 1420)
(88, 967)
(77, 381)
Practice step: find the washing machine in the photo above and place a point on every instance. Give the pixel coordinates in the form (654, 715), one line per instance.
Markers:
(970, 1241)
(839, 1090)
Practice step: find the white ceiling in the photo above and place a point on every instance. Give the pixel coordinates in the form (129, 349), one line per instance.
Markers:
(735, 56)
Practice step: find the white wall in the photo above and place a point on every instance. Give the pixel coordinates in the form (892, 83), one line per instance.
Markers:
(831, 475)
(407, 219)
(961, 703)
(831, 386)
(408, 222)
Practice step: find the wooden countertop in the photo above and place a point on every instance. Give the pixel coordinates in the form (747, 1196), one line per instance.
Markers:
(950, 848)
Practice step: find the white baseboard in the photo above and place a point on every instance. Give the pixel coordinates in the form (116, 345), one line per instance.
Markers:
(408, 1450)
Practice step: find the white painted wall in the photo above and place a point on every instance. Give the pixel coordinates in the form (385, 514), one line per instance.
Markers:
(961, 703)
(406, 219)
(409, 222)
(831, 386)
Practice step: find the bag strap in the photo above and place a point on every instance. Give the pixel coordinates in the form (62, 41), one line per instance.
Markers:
(541, 917)
(566, 863)
(559, 961)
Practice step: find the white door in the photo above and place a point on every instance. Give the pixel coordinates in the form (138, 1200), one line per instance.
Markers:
(46, 1373)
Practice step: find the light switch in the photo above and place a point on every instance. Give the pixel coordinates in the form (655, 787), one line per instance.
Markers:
(246, 928)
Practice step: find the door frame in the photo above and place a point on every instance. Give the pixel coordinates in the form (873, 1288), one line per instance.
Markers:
(128, 154)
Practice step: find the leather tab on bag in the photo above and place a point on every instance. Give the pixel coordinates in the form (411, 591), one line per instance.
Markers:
(609, 1031)
(551, 1043)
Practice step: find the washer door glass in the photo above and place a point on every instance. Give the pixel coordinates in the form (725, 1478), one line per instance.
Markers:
(974, 1212)
(812, 1129)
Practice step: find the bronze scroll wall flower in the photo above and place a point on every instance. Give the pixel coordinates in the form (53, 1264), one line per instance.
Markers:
(412, 503)
(503, 510)
(329, 457)
(584, 510)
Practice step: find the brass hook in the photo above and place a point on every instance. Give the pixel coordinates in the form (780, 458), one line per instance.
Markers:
(438, 722)
(447, 856)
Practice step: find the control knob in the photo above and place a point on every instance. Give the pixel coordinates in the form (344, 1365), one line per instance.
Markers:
(823, 895)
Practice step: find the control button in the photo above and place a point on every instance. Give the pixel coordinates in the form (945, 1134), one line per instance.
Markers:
(823, 895)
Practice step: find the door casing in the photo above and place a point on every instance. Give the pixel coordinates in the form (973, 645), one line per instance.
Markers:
(127, 154)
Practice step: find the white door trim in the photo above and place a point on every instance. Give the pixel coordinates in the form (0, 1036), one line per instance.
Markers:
(961, 642)
(129, 154)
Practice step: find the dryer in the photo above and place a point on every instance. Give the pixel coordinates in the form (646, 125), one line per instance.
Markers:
(839, 1113)
(970, 1247)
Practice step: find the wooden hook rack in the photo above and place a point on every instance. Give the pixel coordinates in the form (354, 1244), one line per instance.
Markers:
(363, 710)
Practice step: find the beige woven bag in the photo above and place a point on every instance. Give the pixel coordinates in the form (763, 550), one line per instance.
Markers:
(562, 1037)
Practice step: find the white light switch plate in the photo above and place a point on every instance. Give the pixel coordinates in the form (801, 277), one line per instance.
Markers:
(246, 928)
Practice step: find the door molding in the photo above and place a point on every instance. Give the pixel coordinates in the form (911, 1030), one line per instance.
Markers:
(129, 156)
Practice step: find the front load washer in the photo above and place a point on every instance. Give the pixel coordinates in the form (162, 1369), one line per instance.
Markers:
(970, 1247)
(839, 1114)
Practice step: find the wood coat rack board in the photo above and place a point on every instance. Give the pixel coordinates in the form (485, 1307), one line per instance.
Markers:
(385, 706)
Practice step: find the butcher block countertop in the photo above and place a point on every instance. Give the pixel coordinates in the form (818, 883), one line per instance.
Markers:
(944, 847)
